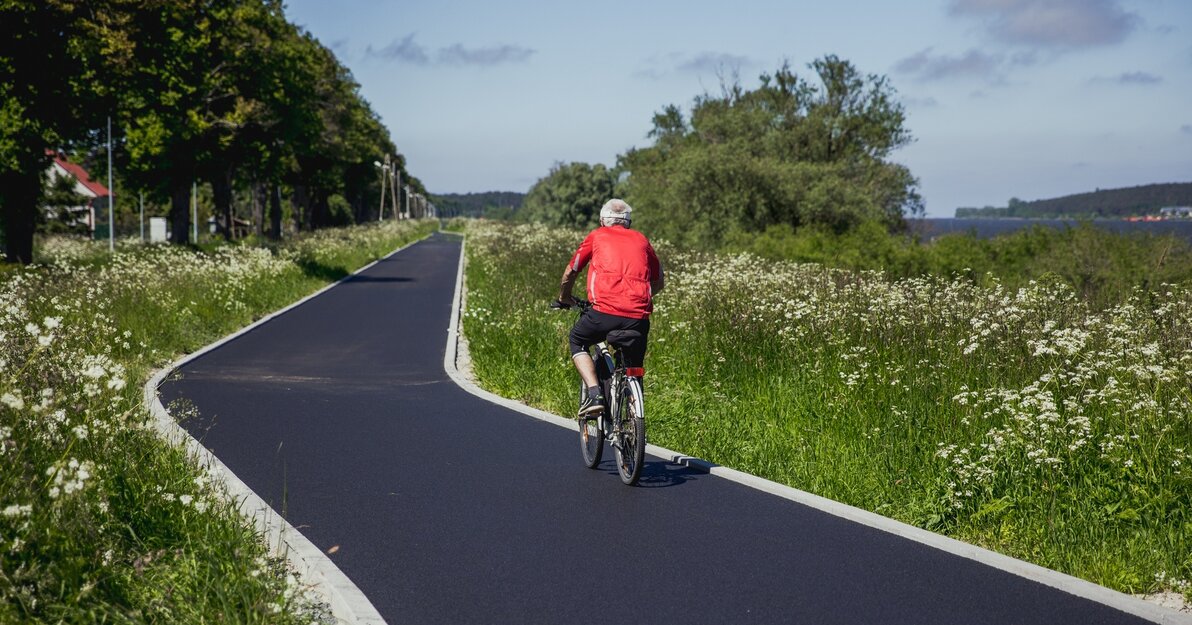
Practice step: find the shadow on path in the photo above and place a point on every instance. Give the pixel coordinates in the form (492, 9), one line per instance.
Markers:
(379, 279)
(655, 473)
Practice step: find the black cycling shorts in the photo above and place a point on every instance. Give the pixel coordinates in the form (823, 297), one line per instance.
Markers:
(593, 326)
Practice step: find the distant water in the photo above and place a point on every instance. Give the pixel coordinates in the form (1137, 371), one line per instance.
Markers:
(985, 228)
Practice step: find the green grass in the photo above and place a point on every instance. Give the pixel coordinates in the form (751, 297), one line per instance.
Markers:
(100, 520)
(1103, 267)
(1021, 419)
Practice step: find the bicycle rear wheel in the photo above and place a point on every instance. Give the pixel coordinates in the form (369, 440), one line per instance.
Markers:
(591, 438)
(631, 447)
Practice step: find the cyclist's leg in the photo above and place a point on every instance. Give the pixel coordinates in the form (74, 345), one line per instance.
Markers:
(635, 351)
(584, 334)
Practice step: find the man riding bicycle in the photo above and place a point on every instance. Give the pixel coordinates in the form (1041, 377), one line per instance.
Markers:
(623, 278)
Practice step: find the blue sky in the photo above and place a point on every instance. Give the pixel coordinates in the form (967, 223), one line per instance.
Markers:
(1024, 98)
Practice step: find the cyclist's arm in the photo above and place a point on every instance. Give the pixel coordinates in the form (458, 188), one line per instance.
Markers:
(657, 279)
(568, 283)
(578, 261)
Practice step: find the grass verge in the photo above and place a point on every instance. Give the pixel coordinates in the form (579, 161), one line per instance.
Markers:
(1022, 420)
(100, 520)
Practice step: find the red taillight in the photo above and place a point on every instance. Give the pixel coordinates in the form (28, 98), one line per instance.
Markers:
(635, 372)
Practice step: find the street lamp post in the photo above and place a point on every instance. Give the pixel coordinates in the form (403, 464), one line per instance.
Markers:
(111, 195)
(194, 211)
(392, 192)
(384, 167)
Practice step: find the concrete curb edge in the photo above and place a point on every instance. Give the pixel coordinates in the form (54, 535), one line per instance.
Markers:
(1061, 581)
(348, 603)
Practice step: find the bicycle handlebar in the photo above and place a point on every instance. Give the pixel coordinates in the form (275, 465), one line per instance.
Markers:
(582, 304)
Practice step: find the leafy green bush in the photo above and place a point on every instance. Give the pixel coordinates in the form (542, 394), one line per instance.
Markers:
(792, 151)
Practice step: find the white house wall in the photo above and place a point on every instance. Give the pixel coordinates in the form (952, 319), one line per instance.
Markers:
(57, 172)
(85, 214)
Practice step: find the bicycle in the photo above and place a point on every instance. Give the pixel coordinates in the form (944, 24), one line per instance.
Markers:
(622, 422)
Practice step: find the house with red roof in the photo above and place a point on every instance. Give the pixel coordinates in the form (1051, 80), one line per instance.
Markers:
(97, 194)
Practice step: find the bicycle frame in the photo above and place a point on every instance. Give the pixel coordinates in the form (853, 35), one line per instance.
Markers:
(617, 376)
(622, 422)
(609, 370)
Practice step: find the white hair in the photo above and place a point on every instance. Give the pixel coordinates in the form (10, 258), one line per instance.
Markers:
(616, 211)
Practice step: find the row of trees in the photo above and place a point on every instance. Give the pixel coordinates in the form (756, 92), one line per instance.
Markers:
(1142, 200)
(790, 152)
(223, 91)
(485, 203)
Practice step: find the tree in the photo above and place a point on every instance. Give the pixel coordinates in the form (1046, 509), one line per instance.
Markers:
(50, 56)
(571, 195)
(332, 136)
(183, 99)
(58, 198)
(789, 152)
(265, 70)
(226, 91)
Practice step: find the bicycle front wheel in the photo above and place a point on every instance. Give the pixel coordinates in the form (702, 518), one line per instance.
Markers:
(631, 447)
(591, 437)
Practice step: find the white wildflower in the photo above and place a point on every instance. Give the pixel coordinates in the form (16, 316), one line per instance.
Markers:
(13, 400)
(15, 511)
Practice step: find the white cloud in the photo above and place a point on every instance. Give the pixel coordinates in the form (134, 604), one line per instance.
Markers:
(406, 50)
(927, 66)
(706, 62)
(712, 62)
(921, 103)
(1129, 78)
(1062, 24)
(457, 54)
(1139, 78)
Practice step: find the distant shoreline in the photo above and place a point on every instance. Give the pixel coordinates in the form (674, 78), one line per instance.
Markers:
(988, 227)
(1071, 219)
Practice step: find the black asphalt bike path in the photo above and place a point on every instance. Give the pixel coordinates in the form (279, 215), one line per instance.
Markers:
(450, 509)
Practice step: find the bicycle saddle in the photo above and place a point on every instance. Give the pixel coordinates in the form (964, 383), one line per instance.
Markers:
(622, 338)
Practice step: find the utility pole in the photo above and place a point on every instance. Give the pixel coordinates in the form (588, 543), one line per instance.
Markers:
(111, 194)
(194, 211)
(384, 175)
(396, 186)
(396, 176)
(142, 216)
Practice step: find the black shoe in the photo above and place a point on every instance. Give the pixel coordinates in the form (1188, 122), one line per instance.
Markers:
(591, 406)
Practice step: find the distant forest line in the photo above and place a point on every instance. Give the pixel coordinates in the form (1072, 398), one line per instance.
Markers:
(491, 204)
(1103, 203)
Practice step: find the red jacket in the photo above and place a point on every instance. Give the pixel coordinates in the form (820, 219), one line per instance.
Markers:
(623, 265)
